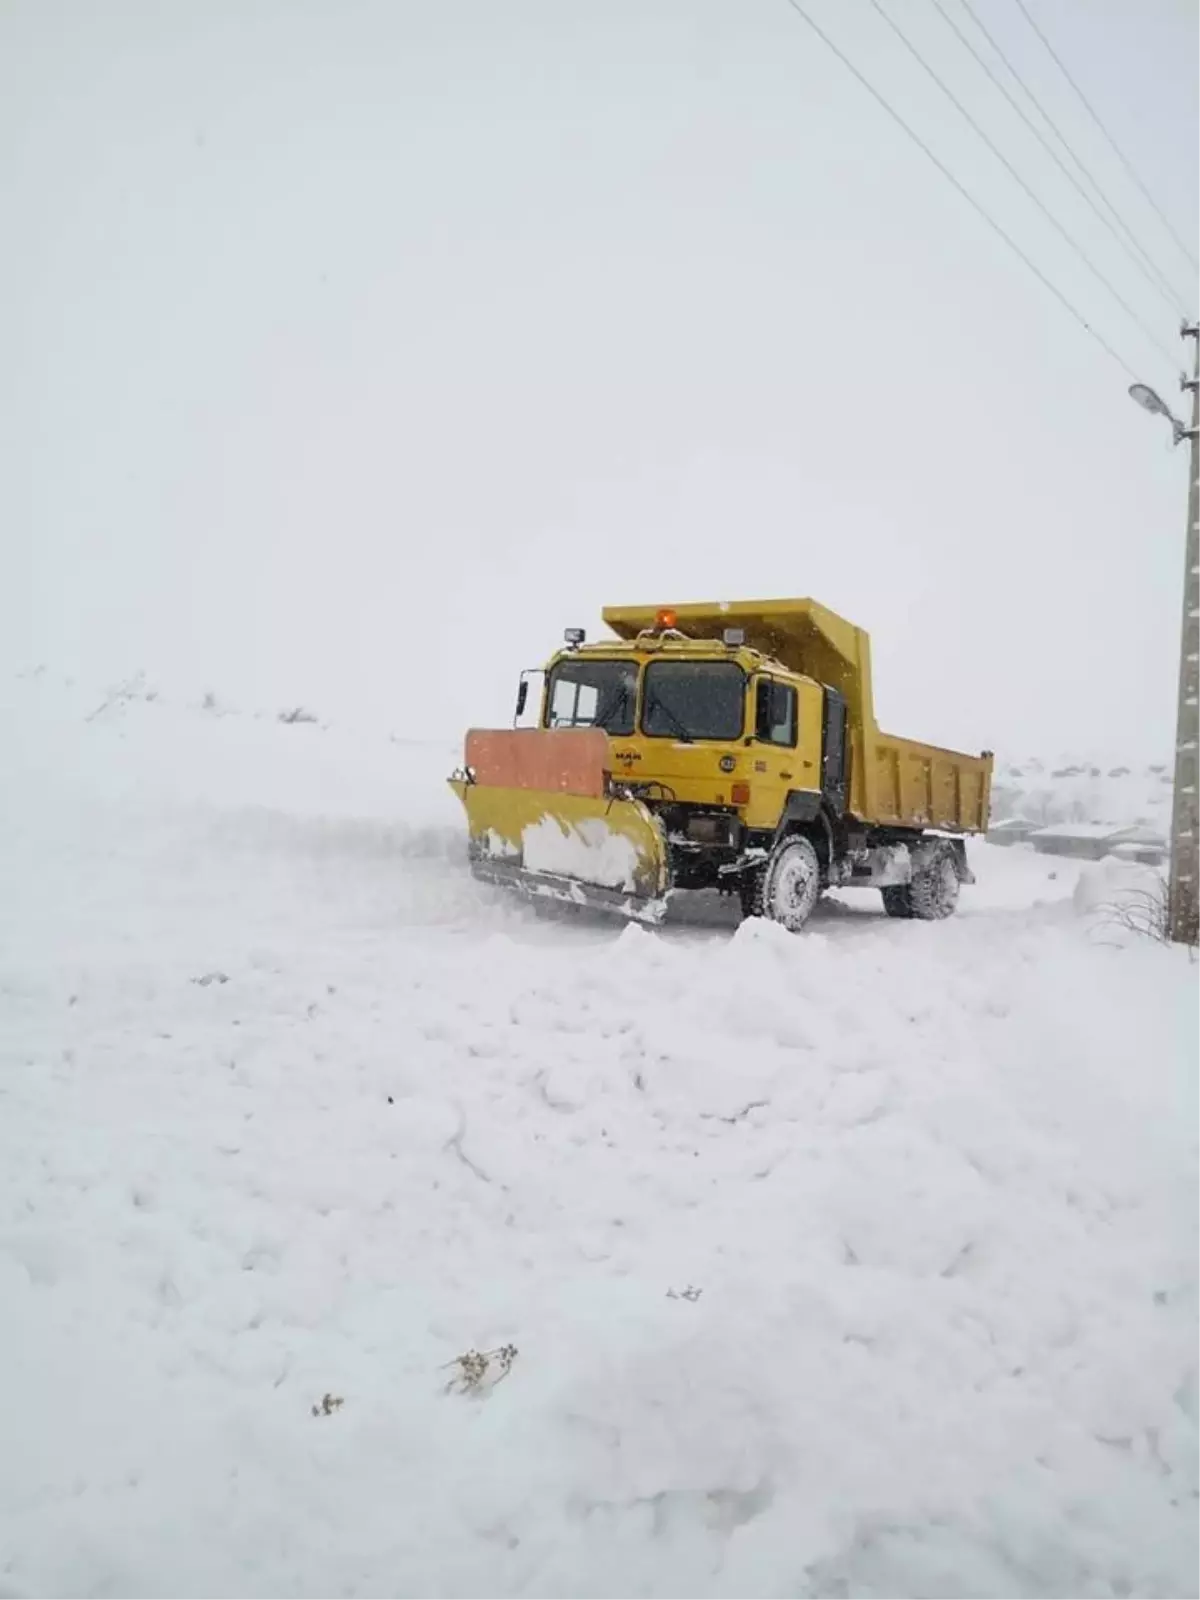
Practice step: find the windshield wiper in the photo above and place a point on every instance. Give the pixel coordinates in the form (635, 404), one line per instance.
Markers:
(656, 701)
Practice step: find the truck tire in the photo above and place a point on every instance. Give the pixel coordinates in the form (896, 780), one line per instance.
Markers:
(934, 890)
(897, 900)
(932, 894)
(787, 888)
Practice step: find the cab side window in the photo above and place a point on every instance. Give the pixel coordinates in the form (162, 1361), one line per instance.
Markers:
(775, 712)
(572, 703)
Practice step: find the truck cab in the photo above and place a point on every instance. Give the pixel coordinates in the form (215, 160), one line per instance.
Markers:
(696, 725)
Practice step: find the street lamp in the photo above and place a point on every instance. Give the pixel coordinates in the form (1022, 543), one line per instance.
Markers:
(1183, 888)
(1153, 402)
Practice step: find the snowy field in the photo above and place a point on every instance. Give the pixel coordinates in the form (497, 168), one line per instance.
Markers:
(859, 1263)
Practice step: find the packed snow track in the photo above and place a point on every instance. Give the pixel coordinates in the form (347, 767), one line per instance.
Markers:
(857, 1263)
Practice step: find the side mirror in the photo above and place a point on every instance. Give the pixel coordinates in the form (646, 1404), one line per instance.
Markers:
(524, 699)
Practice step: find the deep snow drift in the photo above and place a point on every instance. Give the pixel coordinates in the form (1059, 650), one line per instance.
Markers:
(854, 1263)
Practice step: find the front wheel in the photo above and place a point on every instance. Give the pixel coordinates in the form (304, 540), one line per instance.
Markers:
(788, 887)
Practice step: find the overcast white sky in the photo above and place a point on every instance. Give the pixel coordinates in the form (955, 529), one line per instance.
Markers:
(353, 348)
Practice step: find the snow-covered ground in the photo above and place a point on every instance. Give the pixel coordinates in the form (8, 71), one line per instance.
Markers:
(859, 1263)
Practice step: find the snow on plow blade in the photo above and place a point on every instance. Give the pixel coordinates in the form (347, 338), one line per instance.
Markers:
(541, 820)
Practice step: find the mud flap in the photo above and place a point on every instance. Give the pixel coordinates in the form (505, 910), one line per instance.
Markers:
(958, 854)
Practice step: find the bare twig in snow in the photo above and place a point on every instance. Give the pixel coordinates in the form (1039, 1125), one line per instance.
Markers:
(478, 1371)
(454, 1143)
(1139, 911)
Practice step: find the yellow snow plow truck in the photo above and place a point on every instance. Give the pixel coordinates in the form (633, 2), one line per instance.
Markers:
(730, 746)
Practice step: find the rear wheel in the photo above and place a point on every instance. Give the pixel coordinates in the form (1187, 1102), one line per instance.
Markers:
(787, 888)
(934, 891)
(931, 896)
(897, 900)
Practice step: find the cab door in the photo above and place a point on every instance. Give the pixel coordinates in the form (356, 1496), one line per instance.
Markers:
(775, 759)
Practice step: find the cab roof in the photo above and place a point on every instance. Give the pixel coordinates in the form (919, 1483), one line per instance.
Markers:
(804, 636)
(779, 628)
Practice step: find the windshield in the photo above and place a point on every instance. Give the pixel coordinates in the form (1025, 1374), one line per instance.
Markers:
(592, 694)
(694, 700)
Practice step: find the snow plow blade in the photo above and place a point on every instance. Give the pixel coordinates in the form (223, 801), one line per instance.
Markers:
(542, 820)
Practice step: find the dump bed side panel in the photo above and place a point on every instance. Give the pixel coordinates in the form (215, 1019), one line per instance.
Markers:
(921, 786)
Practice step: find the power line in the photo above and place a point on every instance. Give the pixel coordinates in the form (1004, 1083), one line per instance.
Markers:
(1074, 155)
(1171, 356)
(1150, 272)
(1122, 157)
(966, 193)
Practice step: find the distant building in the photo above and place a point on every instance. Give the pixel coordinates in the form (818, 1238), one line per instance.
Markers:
(1141, 844)
(1013, 830)
(1092, 841)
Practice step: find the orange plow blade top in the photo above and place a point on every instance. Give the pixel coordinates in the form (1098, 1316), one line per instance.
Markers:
(559, 760)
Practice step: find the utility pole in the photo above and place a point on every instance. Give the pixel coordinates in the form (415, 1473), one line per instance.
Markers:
(1182, 904)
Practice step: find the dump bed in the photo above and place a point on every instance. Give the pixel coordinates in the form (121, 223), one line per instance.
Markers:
(892, 781)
